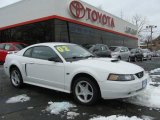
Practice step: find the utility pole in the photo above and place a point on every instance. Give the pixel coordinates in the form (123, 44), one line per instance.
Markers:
(150, 27)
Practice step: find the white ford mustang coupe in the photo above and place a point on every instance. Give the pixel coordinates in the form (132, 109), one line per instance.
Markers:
(72, 69)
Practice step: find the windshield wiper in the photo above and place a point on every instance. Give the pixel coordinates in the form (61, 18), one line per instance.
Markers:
(89, 56)
(74, 57)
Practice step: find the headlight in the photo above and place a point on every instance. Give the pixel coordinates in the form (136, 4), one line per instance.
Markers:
(121, 77)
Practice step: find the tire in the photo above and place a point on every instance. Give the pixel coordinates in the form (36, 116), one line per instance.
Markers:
(119, 58)
(135, 59)
(150, 58)
(16, 78)
(129, 59)
(81, 86)
(1, 63)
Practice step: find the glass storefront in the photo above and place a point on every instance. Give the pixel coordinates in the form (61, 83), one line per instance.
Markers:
(55, 30)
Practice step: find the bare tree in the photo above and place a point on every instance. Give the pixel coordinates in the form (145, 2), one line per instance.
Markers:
(140, 22)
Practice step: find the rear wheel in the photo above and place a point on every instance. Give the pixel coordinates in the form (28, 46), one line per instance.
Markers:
(16, 77)
(85, 91)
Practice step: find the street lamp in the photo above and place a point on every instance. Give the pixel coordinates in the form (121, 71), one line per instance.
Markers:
(150, 27)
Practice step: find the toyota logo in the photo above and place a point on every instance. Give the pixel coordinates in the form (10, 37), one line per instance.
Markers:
(77, 9)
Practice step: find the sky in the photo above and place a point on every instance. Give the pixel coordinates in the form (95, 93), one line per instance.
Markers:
(125, 9)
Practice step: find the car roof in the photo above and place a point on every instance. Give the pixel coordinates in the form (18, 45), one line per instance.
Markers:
(116, 46)
(12, 43)
(53, 44)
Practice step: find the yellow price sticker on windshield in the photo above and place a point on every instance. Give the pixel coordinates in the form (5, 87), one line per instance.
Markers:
(62, 49)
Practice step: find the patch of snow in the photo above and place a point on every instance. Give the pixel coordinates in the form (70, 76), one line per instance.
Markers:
(147, 117)
(19, 98)
(155, 70)
(29, 108)
(84, 113)
(57, 107)
(149, 98)
(3, 117)
(115, 117)
(72, 115)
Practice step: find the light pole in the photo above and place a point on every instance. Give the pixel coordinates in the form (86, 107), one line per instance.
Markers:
(150, 27)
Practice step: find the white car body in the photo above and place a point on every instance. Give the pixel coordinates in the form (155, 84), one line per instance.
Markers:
(59, 75)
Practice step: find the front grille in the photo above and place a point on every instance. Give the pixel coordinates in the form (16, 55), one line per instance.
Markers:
(140, 74)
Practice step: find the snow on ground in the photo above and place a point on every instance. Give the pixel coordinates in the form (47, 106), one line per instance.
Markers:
(57, 107)
(115, 117)
(147, 117)
(151, 96)
(155, 73)
(19, 98)
(155, 70)
(72, 115)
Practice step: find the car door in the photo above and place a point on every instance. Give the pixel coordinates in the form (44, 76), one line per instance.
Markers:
(104, 51)
(122, 53)
(97, 50)
(40, 71)
(2, 52)
(127, 53)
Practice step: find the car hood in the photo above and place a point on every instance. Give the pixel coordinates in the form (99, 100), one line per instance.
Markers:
(110, 65)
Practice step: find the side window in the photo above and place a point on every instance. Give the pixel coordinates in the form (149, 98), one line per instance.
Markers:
(28, 52)
(1, 46)
(123, 49)
(7, 47)
(103, 48)
(43, 52)
(126, 49)
(107, 48)
(97, 48)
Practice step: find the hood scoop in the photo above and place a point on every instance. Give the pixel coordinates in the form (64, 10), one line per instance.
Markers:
(116, 60)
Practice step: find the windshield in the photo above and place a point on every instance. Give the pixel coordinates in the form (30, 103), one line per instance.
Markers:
(73, 52)
(133, 50)
(114, 49)
(20, 46)
(145, 50)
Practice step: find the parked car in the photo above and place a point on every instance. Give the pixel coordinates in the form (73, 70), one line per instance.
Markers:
(158, 53)
(120, 52)
(147, 55)
(155, 54)
(100, 50)
(72, 69)
(6, 48)
(136, 55)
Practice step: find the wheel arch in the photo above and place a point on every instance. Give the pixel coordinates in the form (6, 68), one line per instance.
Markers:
(78, 75)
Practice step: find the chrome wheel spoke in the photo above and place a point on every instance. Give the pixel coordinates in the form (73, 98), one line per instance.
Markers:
(85, 97)
(84, 91)
(15, 78)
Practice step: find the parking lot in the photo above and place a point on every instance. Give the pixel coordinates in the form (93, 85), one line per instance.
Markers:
(39, 98)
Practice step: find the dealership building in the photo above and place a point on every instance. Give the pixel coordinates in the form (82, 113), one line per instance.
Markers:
(35, 21)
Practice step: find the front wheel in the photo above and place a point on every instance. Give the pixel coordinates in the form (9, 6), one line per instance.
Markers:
(135, 59)
(16, 78)
(129, 59)
(85, 91)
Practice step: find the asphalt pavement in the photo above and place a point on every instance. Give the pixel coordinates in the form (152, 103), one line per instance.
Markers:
(35, 108)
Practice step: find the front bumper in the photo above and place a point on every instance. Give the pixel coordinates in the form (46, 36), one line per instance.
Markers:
(122, 89)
